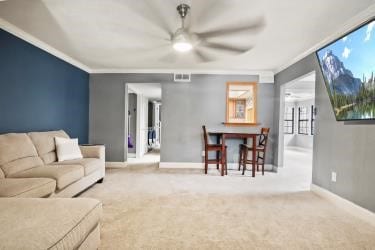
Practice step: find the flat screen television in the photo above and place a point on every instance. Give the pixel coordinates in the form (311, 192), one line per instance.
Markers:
(348, 66)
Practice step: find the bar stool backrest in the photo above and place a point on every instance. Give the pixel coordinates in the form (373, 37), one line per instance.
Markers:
(263, 138)
(205, 136)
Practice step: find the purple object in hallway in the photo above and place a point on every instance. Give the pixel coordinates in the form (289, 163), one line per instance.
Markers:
(130, 143)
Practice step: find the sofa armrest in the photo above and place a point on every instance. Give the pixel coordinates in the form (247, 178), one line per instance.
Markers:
(93, 151)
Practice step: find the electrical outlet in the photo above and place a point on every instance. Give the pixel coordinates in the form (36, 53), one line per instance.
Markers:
(333, 177)
(203, 153)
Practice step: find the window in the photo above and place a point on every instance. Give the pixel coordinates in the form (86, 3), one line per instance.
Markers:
(240, 106)
(312, 119)
(302, 121)
(241, 103)
(289, 120)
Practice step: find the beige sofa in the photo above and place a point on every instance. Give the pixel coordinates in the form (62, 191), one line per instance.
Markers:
(29, 166)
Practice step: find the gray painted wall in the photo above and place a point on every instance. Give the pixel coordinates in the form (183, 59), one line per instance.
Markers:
(346, 148)
(186, 107)
(107, 115)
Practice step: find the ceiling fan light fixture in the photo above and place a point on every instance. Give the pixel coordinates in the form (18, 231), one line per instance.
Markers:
(181, 41)
(182, 46)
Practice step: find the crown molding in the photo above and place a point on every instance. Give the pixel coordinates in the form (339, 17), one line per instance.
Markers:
(347, 26)
(265, 76)
(14, 30)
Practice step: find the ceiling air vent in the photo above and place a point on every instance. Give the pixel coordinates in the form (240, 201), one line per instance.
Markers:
(182, 77)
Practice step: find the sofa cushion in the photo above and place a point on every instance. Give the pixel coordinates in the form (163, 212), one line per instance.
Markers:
(89, 164)
(21, 165)
(15, 146)
(63, 174)
(27, 188)
(17, 153)
(45, 144)
(47, 223)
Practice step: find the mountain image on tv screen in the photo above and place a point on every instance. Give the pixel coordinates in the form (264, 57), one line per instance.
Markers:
(348, 67)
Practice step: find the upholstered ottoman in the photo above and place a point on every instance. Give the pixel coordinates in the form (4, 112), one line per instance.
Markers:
(34, 223)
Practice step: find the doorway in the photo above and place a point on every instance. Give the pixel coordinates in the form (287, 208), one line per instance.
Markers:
(143, 122)
(297, 126)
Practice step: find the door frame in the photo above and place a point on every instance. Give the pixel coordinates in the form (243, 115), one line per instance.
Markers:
(280, 151)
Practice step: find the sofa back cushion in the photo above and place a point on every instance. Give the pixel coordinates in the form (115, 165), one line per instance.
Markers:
(17, 153)
(45, 144)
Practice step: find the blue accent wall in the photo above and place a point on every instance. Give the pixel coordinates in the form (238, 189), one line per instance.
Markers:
(40, 92)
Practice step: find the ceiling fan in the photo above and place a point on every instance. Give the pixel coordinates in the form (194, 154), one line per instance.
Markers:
(184, 40)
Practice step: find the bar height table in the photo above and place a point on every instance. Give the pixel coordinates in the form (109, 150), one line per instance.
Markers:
(222, 136)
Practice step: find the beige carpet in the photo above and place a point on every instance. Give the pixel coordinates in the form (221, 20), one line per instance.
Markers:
(148, 208)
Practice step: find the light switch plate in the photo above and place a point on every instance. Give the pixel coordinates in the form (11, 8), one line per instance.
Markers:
(333, 177)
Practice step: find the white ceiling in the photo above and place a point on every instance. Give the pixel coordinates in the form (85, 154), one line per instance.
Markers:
(129, 34)
(301, 89)
(149, 90)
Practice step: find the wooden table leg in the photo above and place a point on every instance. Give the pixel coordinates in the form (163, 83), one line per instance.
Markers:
(254, 155)
(217, 152)
(242, 159)
(223, 156)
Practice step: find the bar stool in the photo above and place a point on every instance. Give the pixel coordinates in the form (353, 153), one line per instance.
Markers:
(216, 148)
(260, 152)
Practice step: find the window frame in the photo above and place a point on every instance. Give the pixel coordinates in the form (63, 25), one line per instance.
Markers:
(288, 120)
(300, 121)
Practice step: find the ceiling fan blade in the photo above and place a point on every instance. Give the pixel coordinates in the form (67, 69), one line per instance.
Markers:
(201, 56)
(149, 11)
(207, 11)
(255, 27)
(231, 49)
(148, 53)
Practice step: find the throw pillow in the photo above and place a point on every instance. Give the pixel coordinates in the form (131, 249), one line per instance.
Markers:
(67, 149)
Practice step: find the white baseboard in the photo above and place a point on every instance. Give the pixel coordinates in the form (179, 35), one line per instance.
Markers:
(274, 168)
(348, 206)
(182, 165)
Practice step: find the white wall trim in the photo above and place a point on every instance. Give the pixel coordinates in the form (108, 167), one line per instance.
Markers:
(41, 45)
(264, 75)
(181, 165)
(345, 27)
(138, 146)
(348, 206)
(177, 70)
